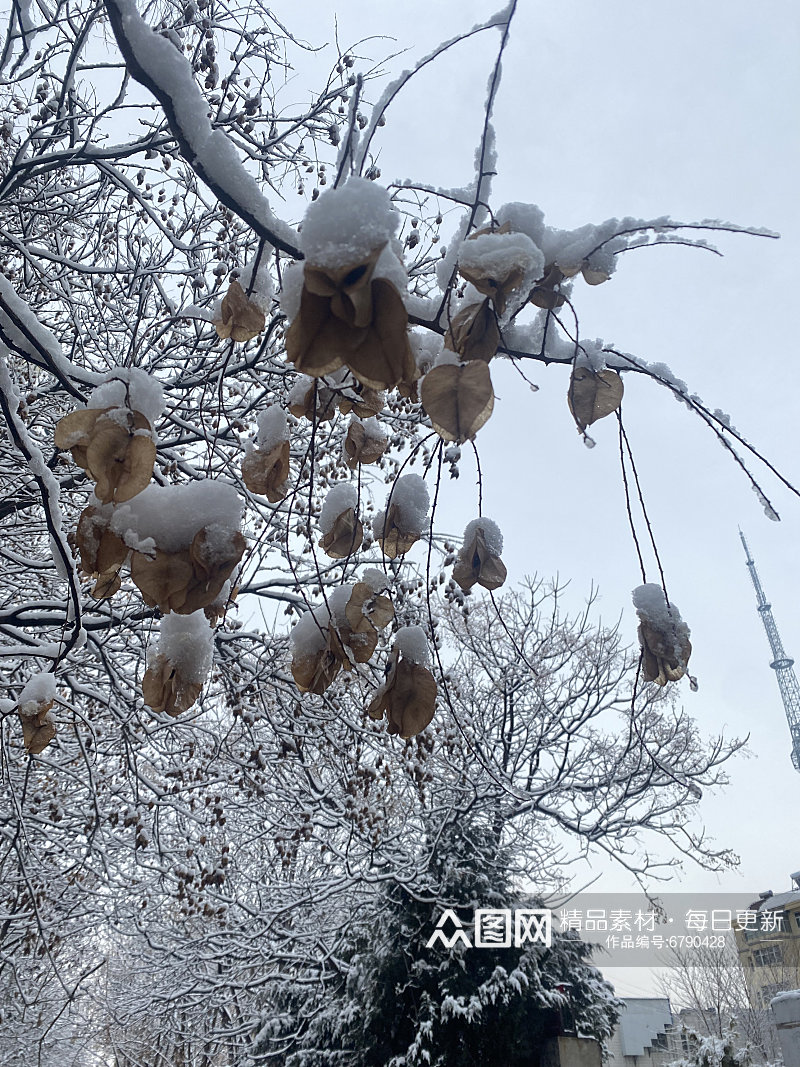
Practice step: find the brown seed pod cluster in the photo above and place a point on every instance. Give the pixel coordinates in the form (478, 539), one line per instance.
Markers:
(364, 443)
(267, 473)
(191, 578)
(102, 552)
(165, 689)
(323, 646)
(179, 666)
(182, 543)
(38, 728)
(348, 318)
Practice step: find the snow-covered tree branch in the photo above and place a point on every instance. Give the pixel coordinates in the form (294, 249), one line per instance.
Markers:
(248, 677)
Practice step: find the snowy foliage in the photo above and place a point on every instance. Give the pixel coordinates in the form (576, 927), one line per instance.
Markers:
(403, 1004)
(708, 1050)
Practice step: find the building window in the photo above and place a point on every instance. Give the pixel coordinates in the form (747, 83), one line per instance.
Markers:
(768, 956)
(797, 919)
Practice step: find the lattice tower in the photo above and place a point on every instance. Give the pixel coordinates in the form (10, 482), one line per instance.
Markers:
(782, 664)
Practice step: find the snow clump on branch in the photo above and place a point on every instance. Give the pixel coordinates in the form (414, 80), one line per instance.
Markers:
(131, 388)
(663, 635)
(175, 675)
(345, 225)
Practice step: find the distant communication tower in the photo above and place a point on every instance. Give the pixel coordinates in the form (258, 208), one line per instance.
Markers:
(782, 664)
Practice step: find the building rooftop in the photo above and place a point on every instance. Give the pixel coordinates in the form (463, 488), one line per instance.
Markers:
(779, 900)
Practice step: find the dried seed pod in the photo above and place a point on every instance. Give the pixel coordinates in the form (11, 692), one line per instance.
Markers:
(498, 289)
(545, 293)
(363, 446)
(360, 643)
(400, 526)
(315, 672)
(500, 263)
(189, 579)
(458, 400)
(392, 537)
(108, 583)
(163, 579)
(102, 552)
(319, 403)
(266, 473)
(505, 227)
(348, 318)
(213, 561)
(38, 728)
(100, 548)
(547, 299)
(569, 270)
(176, 673)
(120, 460)
(383, 358)
(114, 446)
(477, 564)
(348, 288)
(366, 604)
(165, 689)
(365, 613)
(345, 536)
(591, 275)
(240, 319)
(73, 431)
(365, 404)
(594, 275)
(664, 660)
(407, 698)
(593, 395)
(336, 311)
(663, 636)
(317, 342)
(473, 333)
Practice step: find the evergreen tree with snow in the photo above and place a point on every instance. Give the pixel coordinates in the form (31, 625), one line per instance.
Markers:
(406, 1002)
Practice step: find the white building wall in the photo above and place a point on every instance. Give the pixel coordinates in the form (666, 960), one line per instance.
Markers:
(786, 1011)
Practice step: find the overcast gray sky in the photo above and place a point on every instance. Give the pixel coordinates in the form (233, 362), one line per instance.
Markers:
(623, 108)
